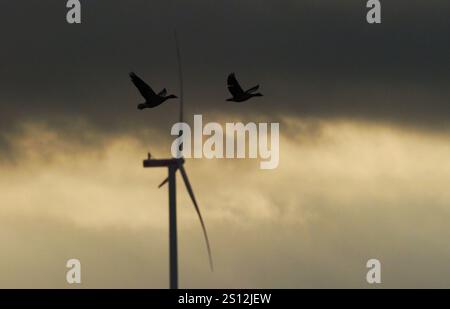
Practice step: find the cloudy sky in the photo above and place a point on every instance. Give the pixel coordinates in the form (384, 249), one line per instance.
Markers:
(364, 121)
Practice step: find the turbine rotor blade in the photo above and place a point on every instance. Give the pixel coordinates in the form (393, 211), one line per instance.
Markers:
(180, 80)
(163, 183)
(191, 194)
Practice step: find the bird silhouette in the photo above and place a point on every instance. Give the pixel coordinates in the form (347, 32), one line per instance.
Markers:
(236, 91)
(152, 99)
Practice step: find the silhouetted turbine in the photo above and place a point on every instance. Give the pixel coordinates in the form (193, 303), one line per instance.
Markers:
(173, 165)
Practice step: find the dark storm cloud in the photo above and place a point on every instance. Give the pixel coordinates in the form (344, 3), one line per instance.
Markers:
(312, 58)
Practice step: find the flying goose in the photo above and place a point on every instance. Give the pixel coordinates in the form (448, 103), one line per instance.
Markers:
(236, 91)
(151, 98)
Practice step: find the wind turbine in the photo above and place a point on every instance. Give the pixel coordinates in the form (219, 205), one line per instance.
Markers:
(173, 165)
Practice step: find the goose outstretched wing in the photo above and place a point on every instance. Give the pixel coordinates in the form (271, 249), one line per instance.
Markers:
(163, 93)
(145, 90)
(253, 89)
(233, 86)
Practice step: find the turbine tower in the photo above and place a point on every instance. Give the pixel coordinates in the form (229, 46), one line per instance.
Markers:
(173, 165)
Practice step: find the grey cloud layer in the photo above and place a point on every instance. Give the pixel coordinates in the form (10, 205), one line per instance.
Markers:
(313, 58)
